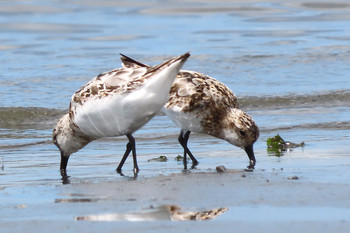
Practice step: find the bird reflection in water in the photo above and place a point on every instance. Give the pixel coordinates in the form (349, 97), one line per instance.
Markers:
(165, 212)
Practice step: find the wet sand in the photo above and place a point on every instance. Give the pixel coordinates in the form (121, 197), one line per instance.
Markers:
(310, 197)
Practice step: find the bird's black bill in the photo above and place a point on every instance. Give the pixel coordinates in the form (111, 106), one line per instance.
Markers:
(64, 161)
(63, 166)
(250, 152)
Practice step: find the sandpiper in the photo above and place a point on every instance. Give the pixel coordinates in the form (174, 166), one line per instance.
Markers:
(199, 103)
(115, 103)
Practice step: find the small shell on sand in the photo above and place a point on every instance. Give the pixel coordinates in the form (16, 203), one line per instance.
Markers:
(221, 169)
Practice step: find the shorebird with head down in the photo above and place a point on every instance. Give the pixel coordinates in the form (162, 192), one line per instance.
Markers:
(115, 103)
(201, 104)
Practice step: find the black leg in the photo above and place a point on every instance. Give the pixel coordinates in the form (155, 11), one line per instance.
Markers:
(183, 139)
(129, 147)
(182, 143)
(132, 139)
(126, 154)
(186, 137)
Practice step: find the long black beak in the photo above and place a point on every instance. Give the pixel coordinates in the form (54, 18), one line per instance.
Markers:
(250, 152)
(64, 162)
(63, 166)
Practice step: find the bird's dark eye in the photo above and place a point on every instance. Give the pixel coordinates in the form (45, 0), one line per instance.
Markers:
(242, 133)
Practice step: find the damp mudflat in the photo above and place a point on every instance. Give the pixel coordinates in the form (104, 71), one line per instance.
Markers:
(288, 63)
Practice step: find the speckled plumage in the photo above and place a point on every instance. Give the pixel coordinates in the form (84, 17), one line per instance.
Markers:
(199, 103)
(211, 102)
(205, 98)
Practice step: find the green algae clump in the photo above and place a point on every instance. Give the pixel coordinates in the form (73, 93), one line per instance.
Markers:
(161, 158)
(276, 145)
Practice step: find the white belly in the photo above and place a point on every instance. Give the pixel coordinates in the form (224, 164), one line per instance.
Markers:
(185, 121)
(117, 115)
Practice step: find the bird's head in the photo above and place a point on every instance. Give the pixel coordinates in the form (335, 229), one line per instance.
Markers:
(240, 130)
(67, 140)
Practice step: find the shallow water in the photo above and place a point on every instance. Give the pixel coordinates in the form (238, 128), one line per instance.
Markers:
(288, 63)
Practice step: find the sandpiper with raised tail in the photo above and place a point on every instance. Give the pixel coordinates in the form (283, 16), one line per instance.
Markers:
(115, 103)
